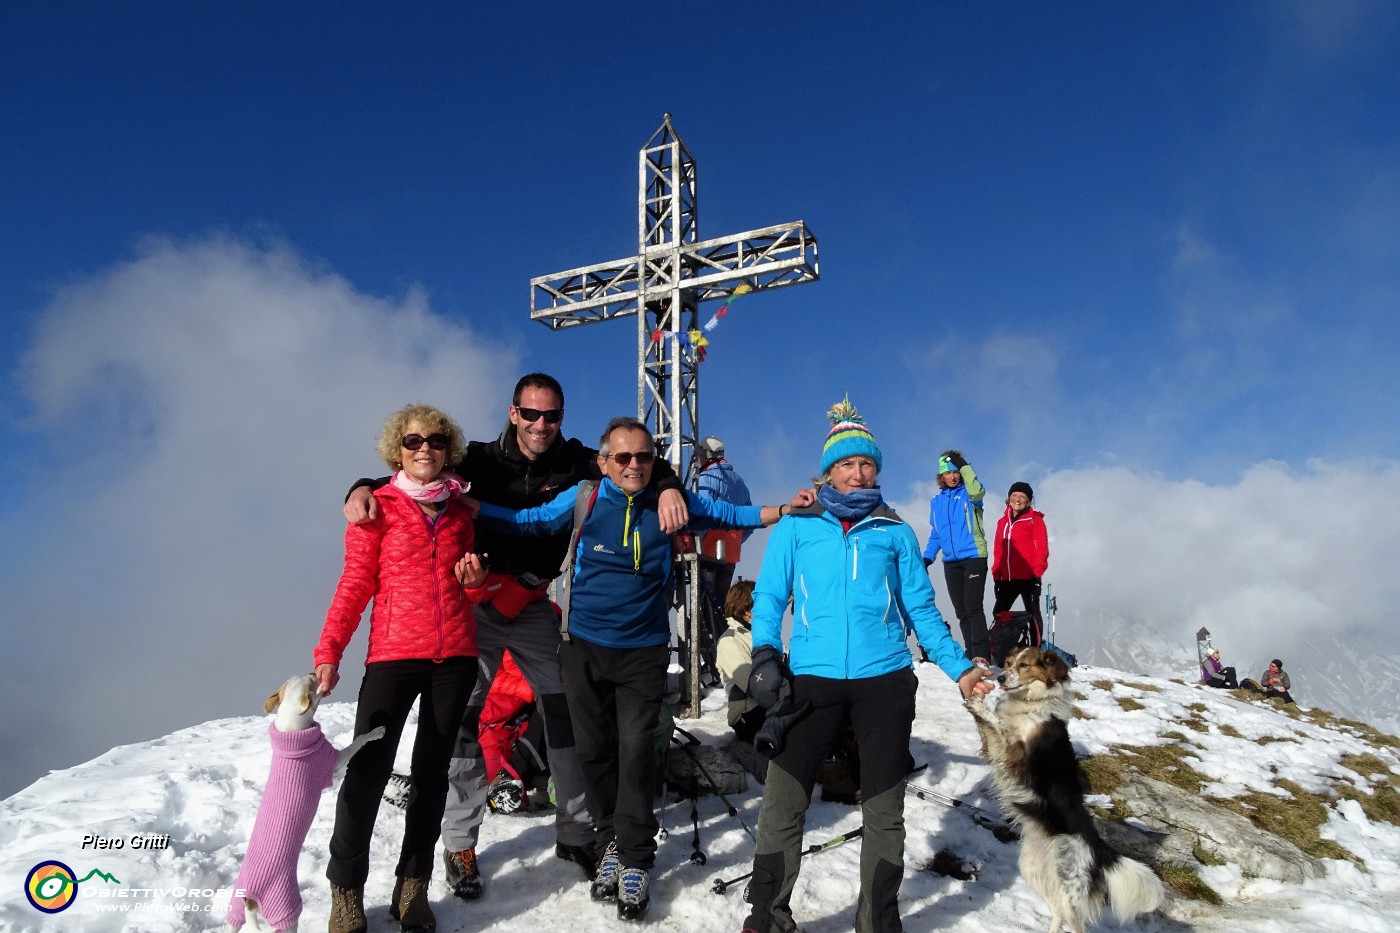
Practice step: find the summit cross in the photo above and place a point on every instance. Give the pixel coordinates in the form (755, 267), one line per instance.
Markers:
(663, 285)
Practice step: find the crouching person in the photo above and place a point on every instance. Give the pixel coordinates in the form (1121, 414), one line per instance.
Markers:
(616, 648)
(854, 571)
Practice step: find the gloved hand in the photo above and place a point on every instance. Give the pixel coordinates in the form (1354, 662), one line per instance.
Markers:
(768, 677)
(956, 458)
(928, 562)
(771, 738)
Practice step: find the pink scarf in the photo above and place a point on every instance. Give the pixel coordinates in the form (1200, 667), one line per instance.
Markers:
(446, 485)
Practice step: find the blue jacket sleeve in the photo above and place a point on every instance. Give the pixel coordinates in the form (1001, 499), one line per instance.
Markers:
(916, 601)
(774, 587)
(934, 544)
(714, 513)
(555, 515)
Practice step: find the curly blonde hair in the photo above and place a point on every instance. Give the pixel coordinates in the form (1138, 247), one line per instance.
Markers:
(434, 420)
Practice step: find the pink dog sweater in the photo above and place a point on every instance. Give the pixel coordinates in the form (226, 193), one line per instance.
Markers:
(303, 765)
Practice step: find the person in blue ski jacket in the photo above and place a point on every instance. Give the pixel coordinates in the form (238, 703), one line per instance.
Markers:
(616, 647)
(717, 479)
(955, 519)
(851, 568)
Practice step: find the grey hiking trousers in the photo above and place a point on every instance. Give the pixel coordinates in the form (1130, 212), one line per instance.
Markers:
(532, 638)
(882, 714)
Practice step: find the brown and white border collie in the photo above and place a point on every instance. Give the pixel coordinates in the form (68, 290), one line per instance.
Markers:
(1025, 737)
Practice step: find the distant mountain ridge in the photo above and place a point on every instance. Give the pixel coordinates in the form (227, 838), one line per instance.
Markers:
(1326, 671)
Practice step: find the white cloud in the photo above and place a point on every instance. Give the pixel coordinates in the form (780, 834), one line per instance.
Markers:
(1267, 562)
(197, 413)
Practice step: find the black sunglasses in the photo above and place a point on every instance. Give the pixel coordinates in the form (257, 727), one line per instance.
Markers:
(643, 457)
(414, 441)
(550, 415)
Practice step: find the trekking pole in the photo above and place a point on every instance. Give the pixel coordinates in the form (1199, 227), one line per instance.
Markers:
(662, 832)
(714, 785)
(697, 857)
(720, 885)
(980, 817)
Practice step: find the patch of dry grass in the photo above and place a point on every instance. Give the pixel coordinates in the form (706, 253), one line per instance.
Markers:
(1297, 819)
(1165, 763)
(1231, 731)
(1129, 704)
(1186, 881)
(1101, 684)
(1145, 688)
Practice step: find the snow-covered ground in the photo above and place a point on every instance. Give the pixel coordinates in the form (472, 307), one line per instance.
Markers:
(200, 788)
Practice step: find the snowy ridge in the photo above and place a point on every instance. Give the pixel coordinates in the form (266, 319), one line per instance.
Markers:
(200, 787)
(1329, 670)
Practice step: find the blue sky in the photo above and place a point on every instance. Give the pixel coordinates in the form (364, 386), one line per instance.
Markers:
(1149, 248)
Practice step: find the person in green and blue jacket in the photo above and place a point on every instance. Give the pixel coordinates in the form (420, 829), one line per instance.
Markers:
(955, 517)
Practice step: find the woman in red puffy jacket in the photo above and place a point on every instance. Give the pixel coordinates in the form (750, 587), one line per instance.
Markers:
(1020, 557)
(413, 559)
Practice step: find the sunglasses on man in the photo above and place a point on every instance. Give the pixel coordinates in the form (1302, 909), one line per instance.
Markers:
(531, 415)
(415, 441)
(643, 457)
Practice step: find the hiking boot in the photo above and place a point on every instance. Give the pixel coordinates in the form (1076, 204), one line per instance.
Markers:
(632, 899)
(463, 875)
(605, 877)
(505, 795)
(585, 856)
(347, 910)
(413, 912)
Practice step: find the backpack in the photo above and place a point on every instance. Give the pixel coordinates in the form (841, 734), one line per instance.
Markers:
(1012, 630)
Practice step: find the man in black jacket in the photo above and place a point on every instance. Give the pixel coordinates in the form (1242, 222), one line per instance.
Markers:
(528, 465)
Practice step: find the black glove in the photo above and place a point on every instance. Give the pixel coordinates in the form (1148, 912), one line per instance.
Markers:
(768, 678)
(928, 562)
(956, 458)
(771, 737)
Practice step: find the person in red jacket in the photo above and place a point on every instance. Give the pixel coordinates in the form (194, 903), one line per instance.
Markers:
(413, 560)
(1021, 554)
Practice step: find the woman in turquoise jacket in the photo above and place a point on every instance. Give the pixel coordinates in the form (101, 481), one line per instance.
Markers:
(852, 568)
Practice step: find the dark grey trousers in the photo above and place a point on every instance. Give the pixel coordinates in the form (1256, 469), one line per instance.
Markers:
(615, 695)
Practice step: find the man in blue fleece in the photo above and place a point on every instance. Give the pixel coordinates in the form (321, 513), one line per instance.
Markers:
(617, 643)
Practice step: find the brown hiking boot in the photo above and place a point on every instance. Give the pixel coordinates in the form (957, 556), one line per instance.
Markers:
(347, 910)
(414, 913)
(463, 874)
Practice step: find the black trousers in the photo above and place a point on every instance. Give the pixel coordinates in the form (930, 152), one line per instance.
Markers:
(1226, 680)
(967, 588)
(442, 689)
(1006, 593)
(880, 710)
(615, 697)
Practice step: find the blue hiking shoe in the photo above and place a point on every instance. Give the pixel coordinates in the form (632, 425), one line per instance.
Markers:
(605, 880)
(632, 898)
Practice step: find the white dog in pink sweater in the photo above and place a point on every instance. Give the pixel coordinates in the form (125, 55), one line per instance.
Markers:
(304, 763)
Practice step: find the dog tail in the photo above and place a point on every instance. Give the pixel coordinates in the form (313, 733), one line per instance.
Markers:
(1132, 889)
